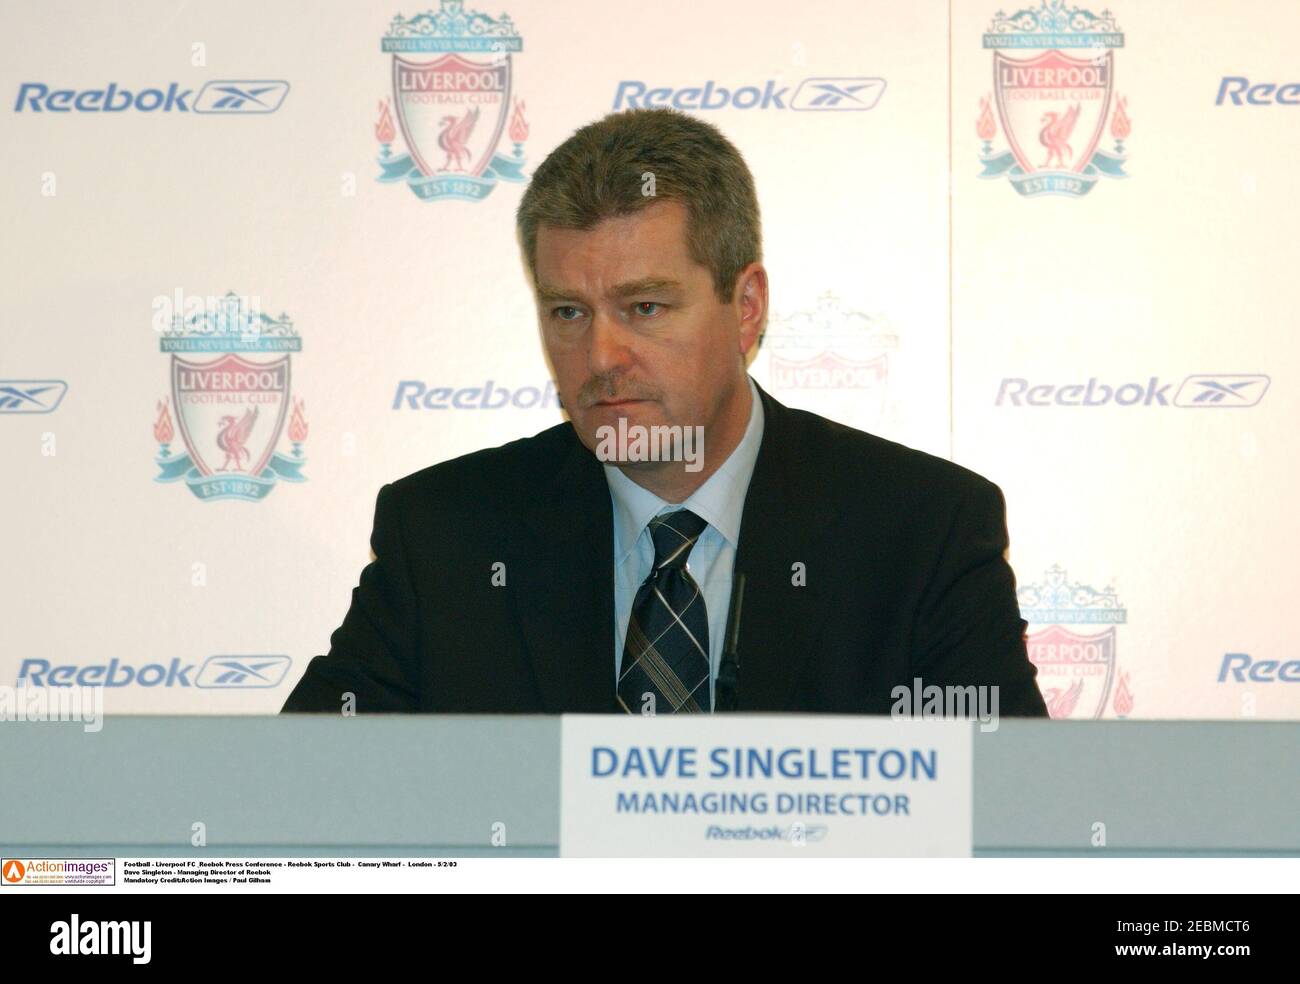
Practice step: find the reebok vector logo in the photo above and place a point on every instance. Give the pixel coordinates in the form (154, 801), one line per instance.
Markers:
(1199, 391)
(820, 94)
(225, 97)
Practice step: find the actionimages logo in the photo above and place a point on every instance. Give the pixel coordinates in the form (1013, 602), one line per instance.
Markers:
(1200, 391)
(224, 96)
(58, 871)
(821, 94)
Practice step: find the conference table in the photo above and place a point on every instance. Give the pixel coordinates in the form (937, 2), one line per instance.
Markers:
(420, 786)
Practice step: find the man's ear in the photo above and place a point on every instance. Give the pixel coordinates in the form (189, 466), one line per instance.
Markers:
(751, 296)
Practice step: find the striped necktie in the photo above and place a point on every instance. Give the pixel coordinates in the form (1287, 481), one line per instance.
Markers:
(666, 654)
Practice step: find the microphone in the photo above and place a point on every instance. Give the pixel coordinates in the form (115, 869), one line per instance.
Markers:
(729, 671)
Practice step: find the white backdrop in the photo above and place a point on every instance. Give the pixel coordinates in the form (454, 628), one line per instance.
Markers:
(951, 267)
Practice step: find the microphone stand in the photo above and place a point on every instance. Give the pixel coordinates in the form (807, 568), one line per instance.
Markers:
(729, 671)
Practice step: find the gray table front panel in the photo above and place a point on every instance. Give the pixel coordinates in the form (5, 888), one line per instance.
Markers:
(401, 785)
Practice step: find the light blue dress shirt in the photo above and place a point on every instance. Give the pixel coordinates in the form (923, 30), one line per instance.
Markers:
(720, 502)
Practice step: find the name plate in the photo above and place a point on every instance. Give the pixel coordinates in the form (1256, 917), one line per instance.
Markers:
(764, 786)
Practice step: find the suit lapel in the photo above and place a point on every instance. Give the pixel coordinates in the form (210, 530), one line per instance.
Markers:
(786, 512)
(565, 595)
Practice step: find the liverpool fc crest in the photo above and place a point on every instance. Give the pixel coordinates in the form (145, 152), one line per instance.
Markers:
(1076, 670)
(231, 410)
(452, 81)
(1055, 99)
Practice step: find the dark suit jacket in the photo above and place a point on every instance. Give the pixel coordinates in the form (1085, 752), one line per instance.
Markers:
(903, 554)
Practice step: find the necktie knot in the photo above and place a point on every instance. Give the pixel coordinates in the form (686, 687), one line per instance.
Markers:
(674, 534)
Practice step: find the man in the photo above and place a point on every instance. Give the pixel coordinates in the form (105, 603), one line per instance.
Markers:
(568, 572)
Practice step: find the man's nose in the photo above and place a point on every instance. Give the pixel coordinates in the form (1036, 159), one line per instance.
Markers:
(608, 349)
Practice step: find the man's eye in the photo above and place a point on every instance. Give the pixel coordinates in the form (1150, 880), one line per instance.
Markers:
(642, 305)
(567, 313)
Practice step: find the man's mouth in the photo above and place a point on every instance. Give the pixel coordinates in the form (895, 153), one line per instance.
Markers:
(616, 403)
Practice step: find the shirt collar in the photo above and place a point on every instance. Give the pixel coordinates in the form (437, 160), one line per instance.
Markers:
(720, 501)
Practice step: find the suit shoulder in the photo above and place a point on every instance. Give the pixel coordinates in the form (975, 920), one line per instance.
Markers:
(491, 475)
(884, 465)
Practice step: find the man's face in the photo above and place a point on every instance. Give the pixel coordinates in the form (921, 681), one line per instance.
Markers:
(633, 328)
